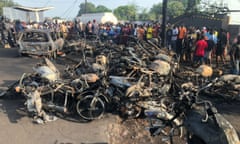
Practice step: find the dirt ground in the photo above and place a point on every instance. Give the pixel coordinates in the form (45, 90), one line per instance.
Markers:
(133, 131)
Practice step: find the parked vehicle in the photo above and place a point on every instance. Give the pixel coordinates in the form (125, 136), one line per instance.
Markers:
(39, 42)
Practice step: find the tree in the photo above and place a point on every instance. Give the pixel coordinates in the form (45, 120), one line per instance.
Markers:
(175, 8)
(145, 16)
(6, 3)
(192, 5)
(127, 12)
(156, 10)
(56, 17)
(102, 8)
(90, 8)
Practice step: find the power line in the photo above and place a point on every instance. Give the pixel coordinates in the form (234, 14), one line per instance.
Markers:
(47, 3)
(69, 9)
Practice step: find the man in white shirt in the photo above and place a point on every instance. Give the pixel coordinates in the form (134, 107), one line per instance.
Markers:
(174, 38)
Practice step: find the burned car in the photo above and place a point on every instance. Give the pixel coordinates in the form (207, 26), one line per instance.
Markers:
(39, 42)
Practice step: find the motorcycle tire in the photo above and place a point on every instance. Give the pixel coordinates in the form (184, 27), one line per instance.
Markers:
(90, 107)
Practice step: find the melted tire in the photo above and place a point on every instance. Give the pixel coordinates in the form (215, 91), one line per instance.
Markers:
(90, 107)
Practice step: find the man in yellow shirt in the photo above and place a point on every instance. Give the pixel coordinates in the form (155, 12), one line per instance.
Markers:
(149, 31)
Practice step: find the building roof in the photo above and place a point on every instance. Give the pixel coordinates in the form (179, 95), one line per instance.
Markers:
(32, 9)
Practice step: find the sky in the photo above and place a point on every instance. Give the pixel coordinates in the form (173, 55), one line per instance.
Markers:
(234, 5)
(70, 8)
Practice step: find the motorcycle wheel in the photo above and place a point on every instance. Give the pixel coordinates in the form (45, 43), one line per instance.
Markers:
(90, 107)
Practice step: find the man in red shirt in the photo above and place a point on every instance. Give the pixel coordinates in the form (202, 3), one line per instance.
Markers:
(201, 45)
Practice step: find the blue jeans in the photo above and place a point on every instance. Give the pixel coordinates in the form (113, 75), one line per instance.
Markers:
(198, 59)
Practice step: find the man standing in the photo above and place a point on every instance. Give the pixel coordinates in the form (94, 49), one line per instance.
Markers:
(235, 55)
(174, 38)
(140, 32)
(181, 36)
(201, 45)
(95, 27)
(221, 44)
(63, 30)
(149, 32)
(169, 37)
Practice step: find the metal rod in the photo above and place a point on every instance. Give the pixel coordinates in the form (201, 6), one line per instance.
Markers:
(164, 12)
(85, 6)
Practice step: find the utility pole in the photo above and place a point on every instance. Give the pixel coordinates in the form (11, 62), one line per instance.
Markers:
(164, 12)
(85, 6)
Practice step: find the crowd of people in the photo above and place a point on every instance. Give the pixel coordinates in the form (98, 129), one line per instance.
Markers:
(191, 44)
(200, 45)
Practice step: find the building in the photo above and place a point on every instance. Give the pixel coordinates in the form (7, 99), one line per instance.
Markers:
(106, 17)
(26, 14)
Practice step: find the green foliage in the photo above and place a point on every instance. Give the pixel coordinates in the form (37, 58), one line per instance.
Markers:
(127, 12)
(102, 8)
(156, 10)
(175, 8)
(144, 15)
(89, 8)
(56, 17)
(192, 6)
(6, 3)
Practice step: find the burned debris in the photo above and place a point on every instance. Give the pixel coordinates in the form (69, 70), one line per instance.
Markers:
(130, 80)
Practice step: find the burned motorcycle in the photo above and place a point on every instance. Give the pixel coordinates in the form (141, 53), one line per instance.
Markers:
(46, 91)
(195, 120)
(152, 83)
(227, 87)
